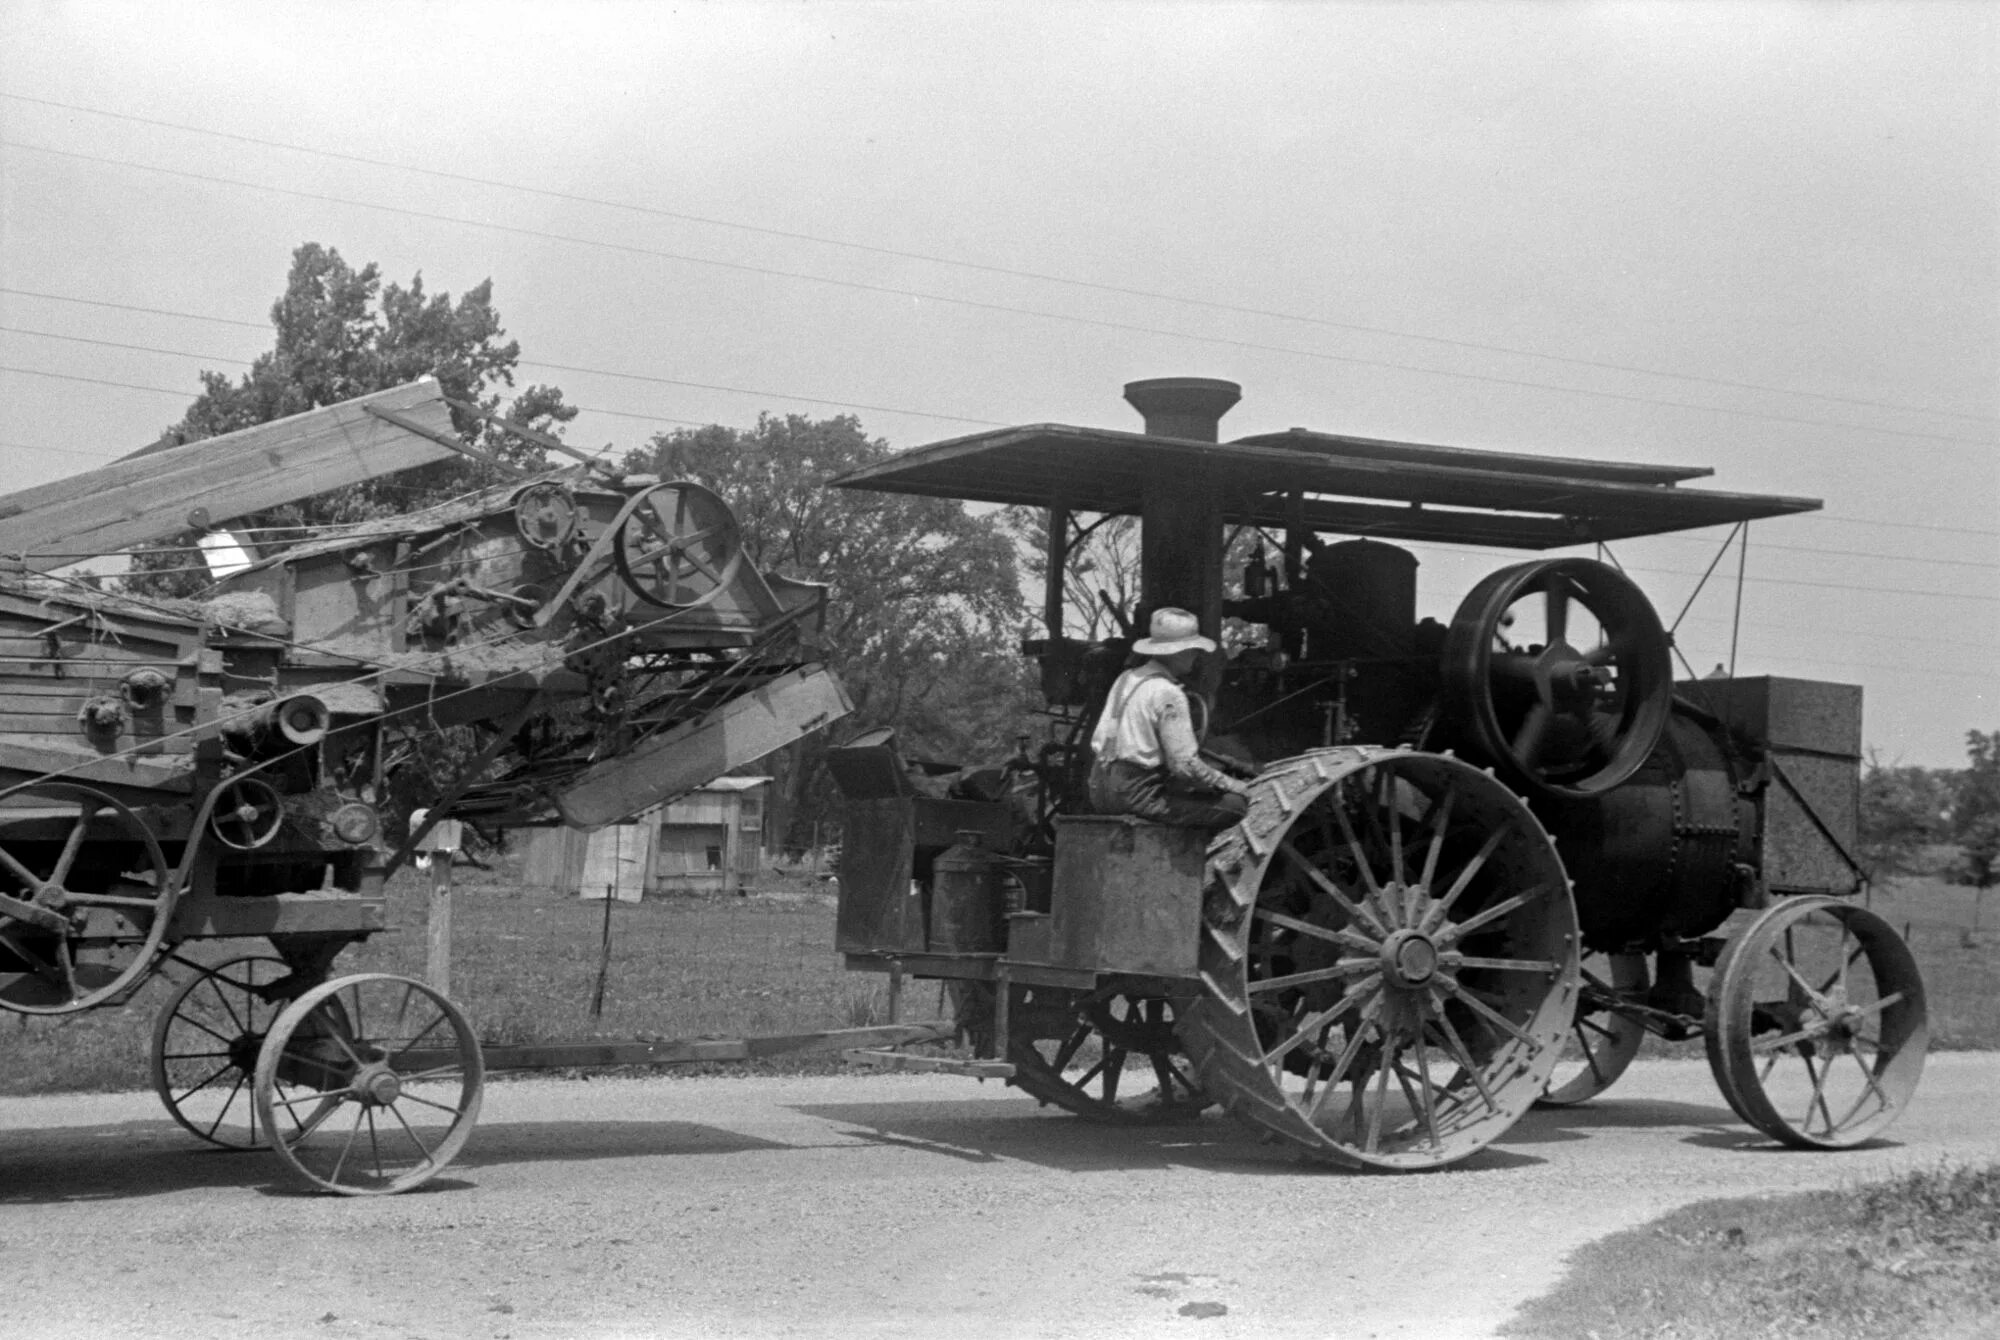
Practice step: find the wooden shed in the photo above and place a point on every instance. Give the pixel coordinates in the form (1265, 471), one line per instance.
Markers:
(705, 842)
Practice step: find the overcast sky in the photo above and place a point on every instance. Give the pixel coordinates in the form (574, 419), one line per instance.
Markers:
(1763, 238)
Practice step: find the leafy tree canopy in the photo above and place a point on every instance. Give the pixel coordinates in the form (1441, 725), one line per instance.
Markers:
(341, 332)
(924, 601)
(1975, 815)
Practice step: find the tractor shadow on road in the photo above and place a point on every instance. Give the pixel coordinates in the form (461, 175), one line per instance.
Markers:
(1703, 1125)
(134, 1159)
(984, 1131)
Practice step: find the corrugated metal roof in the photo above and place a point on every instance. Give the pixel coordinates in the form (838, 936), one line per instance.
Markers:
(1360, 486)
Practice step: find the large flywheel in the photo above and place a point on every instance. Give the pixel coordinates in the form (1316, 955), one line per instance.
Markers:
(1389, 959)
(1559, 673)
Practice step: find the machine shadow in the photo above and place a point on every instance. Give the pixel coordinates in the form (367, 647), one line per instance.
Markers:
(134, 1159)
(989, 1132)
(1555, 1125)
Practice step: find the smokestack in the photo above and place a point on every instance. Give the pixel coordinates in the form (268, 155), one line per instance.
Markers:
(1185, 407)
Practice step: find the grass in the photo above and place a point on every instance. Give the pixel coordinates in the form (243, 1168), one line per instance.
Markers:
(1918, 1255)
(525, 969)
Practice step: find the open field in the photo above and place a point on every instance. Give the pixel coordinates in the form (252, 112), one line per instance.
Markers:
(525, 967)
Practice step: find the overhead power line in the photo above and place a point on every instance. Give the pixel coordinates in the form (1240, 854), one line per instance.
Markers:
(977, 305)
(982, 267)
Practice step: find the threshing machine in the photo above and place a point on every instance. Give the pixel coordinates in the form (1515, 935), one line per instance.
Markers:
(1485, 854)
(574, 646)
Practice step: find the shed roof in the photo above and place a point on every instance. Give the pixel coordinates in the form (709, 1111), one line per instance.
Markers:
(1352, 485)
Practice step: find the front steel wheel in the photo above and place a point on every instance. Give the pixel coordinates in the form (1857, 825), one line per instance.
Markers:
(371, 1083)
(1816, 1023)
(1389, 959)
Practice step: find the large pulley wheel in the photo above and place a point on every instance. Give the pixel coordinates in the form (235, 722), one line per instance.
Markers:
(1816, 1023)
(205, 1045)
(679, 547)
(85, 898)
(1389, 956)
(371, 1084)
(1111, 1055)
(1559, 673)
(1603, 1038)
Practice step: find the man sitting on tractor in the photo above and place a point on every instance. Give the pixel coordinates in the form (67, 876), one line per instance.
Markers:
(1147, 760)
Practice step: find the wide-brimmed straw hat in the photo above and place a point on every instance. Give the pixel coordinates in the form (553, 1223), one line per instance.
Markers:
(1173, 630)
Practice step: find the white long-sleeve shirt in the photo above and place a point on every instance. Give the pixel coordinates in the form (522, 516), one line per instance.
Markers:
(1146, 722)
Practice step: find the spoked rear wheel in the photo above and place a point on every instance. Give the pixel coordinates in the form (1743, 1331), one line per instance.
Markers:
(205, 1045)
(1389, 956)
(1817, 1028)
(1602, 1041)
(372, 1084)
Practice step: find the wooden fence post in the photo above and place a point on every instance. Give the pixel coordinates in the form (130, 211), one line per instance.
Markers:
(437, 965)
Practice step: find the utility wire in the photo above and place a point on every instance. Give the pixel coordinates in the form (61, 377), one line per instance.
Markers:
(983, 267)
(976, 305)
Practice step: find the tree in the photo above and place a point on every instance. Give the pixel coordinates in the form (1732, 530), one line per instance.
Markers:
(342, 333)
(923, 599)
(1975, 811)
(1903, 810)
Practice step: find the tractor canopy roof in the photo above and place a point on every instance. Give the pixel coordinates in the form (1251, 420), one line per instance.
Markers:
(1328, 482)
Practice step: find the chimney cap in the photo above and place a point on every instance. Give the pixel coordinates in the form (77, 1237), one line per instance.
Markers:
(1190, 407)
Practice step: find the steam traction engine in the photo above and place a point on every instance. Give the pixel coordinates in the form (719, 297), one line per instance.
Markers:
(1483, 859)
(572, 645)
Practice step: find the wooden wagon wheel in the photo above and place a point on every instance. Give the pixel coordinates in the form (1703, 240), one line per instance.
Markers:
(387, 1074)
(679, 548)
(1558, 672)
(85, 898)
(1389, 956)
(1602, 1040)
(1816, 1023)
(205, 1045)
(1111, 1055)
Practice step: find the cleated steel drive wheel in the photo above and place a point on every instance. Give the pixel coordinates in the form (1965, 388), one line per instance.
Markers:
(205, 1045)
(1816, 1023)
(1389, 959)
(372, 1084)
(1602, 1039)
(85, 899)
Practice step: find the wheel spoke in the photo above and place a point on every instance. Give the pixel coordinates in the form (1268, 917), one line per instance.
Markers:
(1464, 1057)
(1487, 1012)
(1071, 1045)
(1589, 1055)
(360, 1111)
(114, 900)
(1442, 820)
(1442, 907)
(1347, 967)
(73, 843)
(1819, 1075)
(1356, 994)
(228, 1103)
(1454, 933)
(1784, 961)
(1386, 806)
(31, 883)
(415, 1139)
(228, 1006)
(1505, 964)
(1339, 936)
(1527, 742)
(1325, 885)
(1555, 609)
(1429, 1092)
(1840, 974)
(211, 1077)
(1340, 1067)
(1381, 1101)
(317, 1097)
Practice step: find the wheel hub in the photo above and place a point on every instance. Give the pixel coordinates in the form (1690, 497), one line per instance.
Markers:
(378, 1086)
(1409, 958)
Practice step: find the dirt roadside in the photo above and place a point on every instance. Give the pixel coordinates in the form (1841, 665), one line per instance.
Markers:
(880, 1206)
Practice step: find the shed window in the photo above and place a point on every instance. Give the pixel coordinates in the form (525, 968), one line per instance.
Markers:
(715, 858)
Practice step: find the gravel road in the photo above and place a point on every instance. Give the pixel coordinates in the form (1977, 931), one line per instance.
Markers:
(870, 1205)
